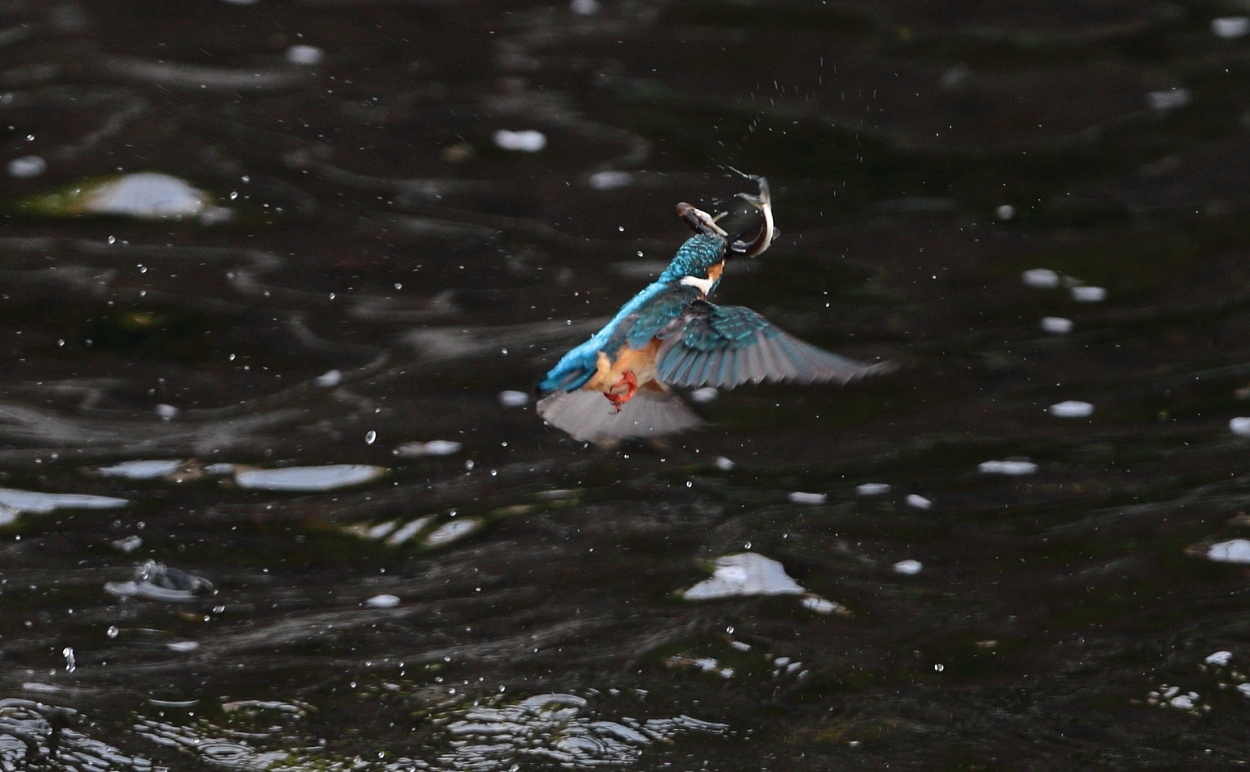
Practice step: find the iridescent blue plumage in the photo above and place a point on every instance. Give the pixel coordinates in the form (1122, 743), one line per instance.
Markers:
(642, 317)
(670, 335)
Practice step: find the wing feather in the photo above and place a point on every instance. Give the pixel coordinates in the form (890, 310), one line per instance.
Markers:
(724, 346)
(725, 374)
(754, 370)
(685, 360)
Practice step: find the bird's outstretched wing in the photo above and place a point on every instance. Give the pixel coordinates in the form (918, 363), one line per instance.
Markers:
(587, 417)
(725, 346)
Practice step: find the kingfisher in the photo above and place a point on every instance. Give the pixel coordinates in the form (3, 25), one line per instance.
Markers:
(619, 383)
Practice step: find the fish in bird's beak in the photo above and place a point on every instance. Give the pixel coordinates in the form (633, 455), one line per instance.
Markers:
(768, 230)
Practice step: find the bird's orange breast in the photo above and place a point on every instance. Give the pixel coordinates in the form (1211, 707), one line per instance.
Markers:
(610, 372)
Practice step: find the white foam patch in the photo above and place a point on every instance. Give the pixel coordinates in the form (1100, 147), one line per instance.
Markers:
(610, 180)
(704, 394)
(1240, 426)
(127, 544)
(1087, 294)
(431, 448)
(1229, 27)
(452, 530)
(1009, 467)
(1057, 325)
(146, 195)
(1219, 658)
(304, 55)
(409, 530)
(156, 581)
(27, 166)
(908, 567)
(308, 478)
(382, 601)
(1233, 551)
(1040, 277)
(799, 497)
(528, 141)
(1169, 99)
(1071, 409)
(513, 398)
(813, 602)
(746, 573)
(372, 532)
(918, 501)
(142, 470)
(329, 379)
(40, 503)
(872, 489)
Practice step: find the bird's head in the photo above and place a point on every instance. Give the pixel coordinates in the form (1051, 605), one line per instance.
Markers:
(700, 260)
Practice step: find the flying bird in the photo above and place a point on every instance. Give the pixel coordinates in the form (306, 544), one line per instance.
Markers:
(618, 384)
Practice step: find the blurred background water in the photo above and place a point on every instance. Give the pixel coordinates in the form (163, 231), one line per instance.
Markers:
(277, 276)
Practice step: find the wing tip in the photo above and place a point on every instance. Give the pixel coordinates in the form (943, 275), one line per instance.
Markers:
(864, 370)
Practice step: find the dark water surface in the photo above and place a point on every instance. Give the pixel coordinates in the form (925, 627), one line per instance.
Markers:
(347, 260)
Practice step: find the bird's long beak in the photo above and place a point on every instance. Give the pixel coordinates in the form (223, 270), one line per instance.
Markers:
(768, 229)
(699, 220)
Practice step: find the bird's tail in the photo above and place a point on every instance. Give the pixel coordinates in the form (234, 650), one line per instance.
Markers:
(587, 417)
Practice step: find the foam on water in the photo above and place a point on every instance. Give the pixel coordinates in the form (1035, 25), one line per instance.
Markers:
(41, 503)
(1232, 551)
(142, 470)
(527, 141)
(431, 448)
(308, 478)
(746, 573)
(452, 530)
(1071, 409)
(801, 497)
(1011, 467)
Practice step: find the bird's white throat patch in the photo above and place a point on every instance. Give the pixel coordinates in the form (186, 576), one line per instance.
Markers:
(703, 285)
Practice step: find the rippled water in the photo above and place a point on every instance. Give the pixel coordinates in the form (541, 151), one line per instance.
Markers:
(278, 277)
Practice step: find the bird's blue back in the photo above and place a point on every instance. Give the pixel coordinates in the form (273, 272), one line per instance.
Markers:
(694, 257)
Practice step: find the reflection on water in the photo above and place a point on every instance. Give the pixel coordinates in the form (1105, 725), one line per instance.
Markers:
(31, 734)
(278, 278)
(550, 727)
(497, 735)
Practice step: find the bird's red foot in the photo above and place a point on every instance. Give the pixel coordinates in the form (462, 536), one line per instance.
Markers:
(623, 391)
